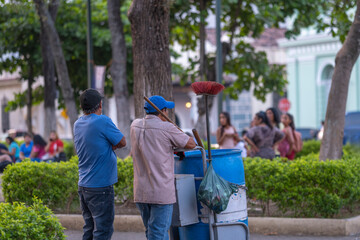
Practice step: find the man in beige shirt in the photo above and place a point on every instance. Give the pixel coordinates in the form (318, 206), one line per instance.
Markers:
(153, 141)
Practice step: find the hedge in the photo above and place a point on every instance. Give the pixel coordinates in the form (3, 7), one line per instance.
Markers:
(309, 147)
(305, 187)
(56, 183)
(36, 222)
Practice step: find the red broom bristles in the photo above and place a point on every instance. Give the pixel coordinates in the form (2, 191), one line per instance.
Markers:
(207, 87)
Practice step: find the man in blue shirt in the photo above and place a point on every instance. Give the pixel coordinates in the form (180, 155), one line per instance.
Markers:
(96, 137)
(26, 147)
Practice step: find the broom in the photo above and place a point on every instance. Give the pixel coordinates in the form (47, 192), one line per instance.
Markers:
(196, 135)
(207, 88)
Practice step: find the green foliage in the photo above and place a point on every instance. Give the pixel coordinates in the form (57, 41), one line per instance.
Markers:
(309, 147)
(35, 222)
(124, 187)
(20, 44)
(305, 187)
(55, 184)
(69, 149)
(19, 100)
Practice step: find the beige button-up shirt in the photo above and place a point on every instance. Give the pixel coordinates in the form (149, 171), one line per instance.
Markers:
(152, 147)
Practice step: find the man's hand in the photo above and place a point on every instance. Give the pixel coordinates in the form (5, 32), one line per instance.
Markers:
(121, 144)
(190, 144)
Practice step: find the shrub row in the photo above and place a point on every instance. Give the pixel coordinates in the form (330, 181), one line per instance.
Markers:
(56, 183)
(305, 187)
(36, 222)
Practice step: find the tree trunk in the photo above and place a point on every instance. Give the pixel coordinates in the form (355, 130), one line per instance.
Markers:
(29, 100)
(331, 145)
(151, 54)
(60, 63)
(118, 72)
(48, 68)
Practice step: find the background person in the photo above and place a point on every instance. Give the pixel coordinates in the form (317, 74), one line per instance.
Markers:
(4, 157)
(320, 134)
(273, 116)
(14, 150)
(153, 140)
(26, 147)
(55, 145)
(12, 133)
(226, 134)
(242, 145)
(95, 139)
(262, 137)
(38, 150)
(274, 119)
(286, 147)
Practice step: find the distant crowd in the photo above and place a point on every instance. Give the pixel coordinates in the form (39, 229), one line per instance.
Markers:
(264, 138)
(34, 147)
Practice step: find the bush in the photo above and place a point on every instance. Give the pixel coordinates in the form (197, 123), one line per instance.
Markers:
(55, 184)
(69, 149)
(124, 187)
(309, 147)
(35, 222)
(305, 187)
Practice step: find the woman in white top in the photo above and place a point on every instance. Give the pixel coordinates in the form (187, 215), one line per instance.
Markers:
(226, 134)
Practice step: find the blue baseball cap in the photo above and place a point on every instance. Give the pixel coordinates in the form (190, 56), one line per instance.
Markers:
(160, 102)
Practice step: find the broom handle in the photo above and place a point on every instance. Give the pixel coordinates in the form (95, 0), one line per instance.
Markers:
(197, 137)
(161, 113)
(207, 126)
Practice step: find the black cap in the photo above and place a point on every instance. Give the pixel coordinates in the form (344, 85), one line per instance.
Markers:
(90, 98)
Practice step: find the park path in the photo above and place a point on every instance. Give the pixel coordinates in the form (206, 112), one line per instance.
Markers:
(75, 235)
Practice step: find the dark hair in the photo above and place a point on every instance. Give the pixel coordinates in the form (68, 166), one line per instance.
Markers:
(156, 113)
(92, 110)
(264, 118)
(292, 124)
(243, 132)
(38, 140)
(10, 139)
(276, 116)
(228, 121)
(28, 135)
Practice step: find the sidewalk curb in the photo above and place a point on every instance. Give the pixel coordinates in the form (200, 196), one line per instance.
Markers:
(259, 225)
(305, 226)
(122, 223)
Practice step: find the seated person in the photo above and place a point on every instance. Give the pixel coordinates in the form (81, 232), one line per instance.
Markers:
(14, 150)
(55, 146)
(26, 147)
(38, 150)
(3, 156)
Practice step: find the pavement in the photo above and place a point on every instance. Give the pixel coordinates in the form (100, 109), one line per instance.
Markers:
(76, 235)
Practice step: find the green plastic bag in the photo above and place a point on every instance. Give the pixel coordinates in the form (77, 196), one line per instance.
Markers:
(214, 191)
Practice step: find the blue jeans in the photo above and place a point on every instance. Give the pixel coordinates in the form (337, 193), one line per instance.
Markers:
(156, 219)
(98, 210)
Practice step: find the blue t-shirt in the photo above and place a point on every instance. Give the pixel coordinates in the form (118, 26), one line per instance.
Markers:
(94, 136)
(17, 149)
(26, 150)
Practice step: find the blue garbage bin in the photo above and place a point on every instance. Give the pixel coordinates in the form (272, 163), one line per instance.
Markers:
(228, 164)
